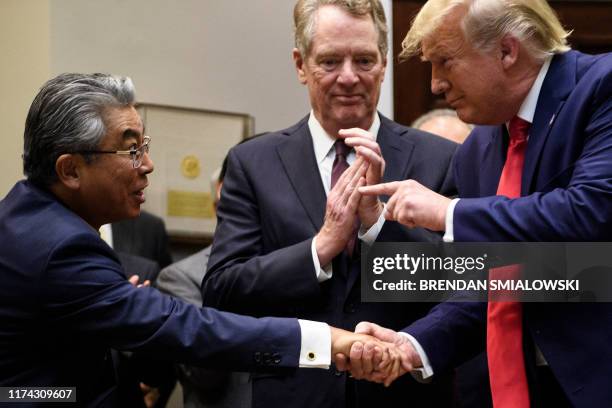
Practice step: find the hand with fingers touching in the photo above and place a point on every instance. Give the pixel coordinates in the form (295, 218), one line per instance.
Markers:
(341, 212)
(412, 204)
(364, 143)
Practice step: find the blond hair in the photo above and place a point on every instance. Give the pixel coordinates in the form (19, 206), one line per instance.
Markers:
(304, 20)
(533, 22)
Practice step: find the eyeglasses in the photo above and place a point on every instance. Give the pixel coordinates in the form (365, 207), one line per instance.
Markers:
(136, 153)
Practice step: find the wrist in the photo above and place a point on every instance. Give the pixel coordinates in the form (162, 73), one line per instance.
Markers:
(371, 215)
(325, 249)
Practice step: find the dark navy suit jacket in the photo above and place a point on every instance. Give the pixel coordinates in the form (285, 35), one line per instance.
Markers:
(567, 196)
(64, 301)
(272, 205)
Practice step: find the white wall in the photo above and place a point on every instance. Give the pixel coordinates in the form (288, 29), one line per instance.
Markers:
(24, 46)
(230, 55)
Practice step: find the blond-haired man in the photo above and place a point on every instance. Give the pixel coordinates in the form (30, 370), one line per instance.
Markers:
(537, 169)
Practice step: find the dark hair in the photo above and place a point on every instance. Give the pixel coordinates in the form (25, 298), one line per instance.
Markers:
(66, 116)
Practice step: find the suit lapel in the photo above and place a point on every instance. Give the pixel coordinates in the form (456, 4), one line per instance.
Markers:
(555, 90)
(493, 159)
(298, 159)
(396, 150)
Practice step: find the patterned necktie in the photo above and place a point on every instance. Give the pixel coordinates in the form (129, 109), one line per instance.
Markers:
(340, 163)
(339, 166)
(508, 379)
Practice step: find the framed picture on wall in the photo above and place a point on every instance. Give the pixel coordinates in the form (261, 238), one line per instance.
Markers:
(187, 147)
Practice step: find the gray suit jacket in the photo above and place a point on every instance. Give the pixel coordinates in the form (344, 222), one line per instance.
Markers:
(202, 388)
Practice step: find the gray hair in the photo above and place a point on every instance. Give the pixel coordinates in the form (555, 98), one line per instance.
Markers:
(304, 20)
(533, 22)
(67, 115)
(436, 113)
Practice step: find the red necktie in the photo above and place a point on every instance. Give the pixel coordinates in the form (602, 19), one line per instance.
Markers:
(508, 379)
(340, 163)
(339, 166)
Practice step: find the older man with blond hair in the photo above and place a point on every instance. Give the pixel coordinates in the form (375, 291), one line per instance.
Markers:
(536, 169)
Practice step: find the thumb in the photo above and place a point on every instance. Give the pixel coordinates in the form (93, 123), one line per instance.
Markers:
(366, 328)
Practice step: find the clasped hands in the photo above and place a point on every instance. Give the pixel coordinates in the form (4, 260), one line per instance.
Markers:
(373, 353)
(355, 198)
(345, 203)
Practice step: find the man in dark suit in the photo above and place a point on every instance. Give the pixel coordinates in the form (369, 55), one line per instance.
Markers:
(144, 236)
(284, 244)
(538, 169)
(64, 299)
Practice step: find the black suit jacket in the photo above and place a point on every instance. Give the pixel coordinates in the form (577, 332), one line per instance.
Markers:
(272, 205)
(144, 236)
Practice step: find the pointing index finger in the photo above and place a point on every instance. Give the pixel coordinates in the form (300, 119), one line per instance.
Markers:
(378, 189)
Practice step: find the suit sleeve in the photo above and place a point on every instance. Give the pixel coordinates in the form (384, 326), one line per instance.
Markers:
(84, 292)
(580, 211)
(452, 333)
(246, 271)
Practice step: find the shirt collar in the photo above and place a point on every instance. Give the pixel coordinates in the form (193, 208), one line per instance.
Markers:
(528, 108)
(323, 142)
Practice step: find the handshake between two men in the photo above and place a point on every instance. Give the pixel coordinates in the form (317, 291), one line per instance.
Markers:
(373, 353)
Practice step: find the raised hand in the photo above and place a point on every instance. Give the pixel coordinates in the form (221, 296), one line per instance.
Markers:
(412, 204)
(341, 212)
(365, 146)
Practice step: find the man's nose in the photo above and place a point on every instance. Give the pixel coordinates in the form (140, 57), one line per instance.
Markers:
(147, 165)
(439, 84)
(348, 76)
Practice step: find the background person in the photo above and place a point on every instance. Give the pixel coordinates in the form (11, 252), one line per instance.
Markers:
(445, 123)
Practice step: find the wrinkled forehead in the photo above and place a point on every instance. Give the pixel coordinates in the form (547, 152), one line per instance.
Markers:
(124, 124)
(335, 27)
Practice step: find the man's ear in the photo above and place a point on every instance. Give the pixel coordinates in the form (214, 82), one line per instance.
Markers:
(299, 65)
(68, 169)
(509, 47)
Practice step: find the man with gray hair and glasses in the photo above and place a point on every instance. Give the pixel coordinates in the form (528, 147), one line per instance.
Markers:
(291, 220)
(64, 299)
(537, 168)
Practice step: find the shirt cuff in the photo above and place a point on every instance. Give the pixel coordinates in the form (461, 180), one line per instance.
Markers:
(424, 373)
(369, 236)
(315, 348)
(449, 233)
(322, 273)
